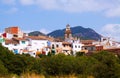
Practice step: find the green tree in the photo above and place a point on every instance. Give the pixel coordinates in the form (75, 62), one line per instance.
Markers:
(80, 54)
(37, 67)
(85, 64)
(52, 65)
(3, 70)
(15, 64)
(109, 66)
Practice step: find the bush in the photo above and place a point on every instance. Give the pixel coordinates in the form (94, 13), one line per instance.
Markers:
(98, 65)
(80, 54)
(109, 66)
(3, 70)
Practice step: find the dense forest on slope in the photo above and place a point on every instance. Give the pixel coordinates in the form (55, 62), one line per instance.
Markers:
(98, 65)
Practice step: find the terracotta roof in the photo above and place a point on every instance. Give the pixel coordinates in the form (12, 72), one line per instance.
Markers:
(66, 43)
(26, 51)
(40, 38)
(58, 40)
(88, 45)
(10, 41)
(87, 41)
(20, 39)
(113, 50)
(34, 37)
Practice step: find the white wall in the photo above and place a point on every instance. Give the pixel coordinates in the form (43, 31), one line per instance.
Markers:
(20, 34)
(16, 46)
(76, 47)
(56, 43)
(23, 45)
(38, 44)
(9, 36)
(35, 46)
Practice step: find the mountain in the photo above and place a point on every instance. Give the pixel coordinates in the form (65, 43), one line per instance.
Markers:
(78, 31)
(36, 33)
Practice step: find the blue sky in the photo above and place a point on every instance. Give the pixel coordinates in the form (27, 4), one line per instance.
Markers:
(47, 15)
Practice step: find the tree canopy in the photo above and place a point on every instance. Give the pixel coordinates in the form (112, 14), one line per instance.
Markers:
(99, 65)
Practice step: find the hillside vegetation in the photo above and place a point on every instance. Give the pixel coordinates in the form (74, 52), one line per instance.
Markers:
(99, 65)
(36, 33)
(77, 31)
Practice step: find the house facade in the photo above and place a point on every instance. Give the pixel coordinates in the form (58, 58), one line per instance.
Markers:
(14, 39)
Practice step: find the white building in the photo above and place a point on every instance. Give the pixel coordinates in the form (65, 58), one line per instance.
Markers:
(107, 43)
(57, 47)
(14, 32)
(76, 47)
(15, 44)
(39, 44)
(27, 45)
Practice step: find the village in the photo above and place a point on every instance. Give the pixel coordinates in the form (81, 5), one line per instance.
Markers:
(19, 42)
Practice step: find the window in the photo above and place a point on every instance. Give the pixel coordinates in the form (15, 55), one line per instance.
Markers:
(46, 49)
(75, 46)
(53, 46)
(72, 46)
(6, 44)
(15, 35)
(85, 48)
(15, 44)
(37, 49)
(23, 42)
(92, 48)
(15, 51)
(57, 45)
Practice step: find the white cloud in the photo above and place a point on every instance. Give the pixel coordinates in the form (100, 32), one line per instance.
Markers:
(27, 2)
(12, 10)
(49, 5)
(10, 6)
(82, 6)
(113, 12)
(71, 5)
(44, 31)
(9, 2)
(112, 30)
(27, 31)
(109, 8)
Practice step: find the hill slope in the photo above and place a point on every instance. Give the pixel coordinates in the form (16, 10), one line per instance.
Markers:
(78, 31)
(36, 33)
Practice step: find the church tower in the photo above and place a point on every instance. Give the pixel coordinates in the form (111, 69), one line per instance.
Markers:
(68, 35)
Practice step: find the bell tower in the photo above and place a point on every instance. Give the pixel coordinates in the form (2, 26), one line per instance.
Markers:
(68, 35)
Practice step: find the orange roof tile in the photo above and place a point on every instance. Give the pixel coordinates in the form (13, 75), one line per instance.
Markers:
(88, 45)
(40, 38)
(66, 43)
(20, 39)
(10, 41)
(87, 41)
